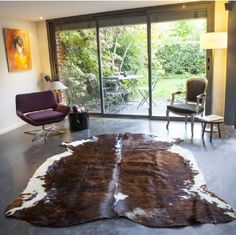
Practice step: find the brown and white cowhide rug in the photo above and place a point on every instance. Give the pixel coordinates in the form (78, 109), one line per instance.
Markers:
(141, 177)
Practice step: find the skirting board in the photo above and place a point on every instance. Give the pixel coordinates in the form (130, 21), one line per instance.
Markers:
(11, 128)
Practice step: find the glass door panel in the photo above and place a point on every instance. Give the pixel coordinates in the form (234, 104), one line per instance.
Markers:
(78, 67)
(176, 57)
(125, 69)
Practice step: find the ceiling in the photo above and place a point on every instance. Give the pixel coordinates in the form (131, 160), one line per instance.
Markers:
(33, 10)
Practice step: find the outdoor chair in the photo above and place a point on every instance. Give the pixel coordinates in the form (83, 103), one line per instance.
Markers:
(40, 109)
(144, 92)
(92, 85)
(195, 96)
(114, 93)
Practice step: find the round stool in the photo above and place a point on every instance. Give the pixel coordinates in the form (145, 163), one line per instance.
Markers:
(211, 120)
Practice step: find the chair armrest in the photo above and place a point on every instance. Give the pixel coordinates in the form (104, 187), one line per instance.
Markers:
(19, 114)
(200, 101)
(175, 94)
(24, 117)
(62, 108)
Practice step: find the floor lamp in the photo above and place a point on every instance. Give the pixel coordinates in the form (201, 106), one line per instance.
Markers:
(57, 87)
(214, 41)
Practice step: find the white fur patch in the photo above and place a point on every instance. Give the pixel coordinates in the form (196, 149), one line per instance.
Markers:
(35, 191)
(115, 176)
(199, 184)
(149, 213)
(119, 196)
(163, 139)
(80, 142)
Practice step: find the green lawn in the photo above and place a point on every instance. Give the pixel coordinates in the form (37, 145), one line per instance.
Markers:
(166, 87)
(167, 84)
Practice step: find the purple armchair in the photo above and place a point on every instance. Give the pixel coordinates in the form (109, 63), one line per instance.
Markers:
(40, 109)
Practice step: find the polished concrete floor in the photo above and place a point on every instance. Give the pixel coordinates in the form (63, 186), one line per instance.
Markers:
(19, 158)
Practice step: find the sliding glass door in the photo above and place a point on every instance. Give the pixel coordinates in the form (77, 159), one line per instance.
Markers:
(78, 65)
(176, 57)
(124, 65)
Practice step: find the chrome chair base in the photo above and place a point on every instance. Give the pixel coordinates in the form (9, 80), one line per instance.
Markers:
(43, 133)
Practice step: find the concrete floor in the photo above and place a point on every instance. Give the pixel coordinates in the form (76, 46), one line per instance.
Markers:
(19, 158)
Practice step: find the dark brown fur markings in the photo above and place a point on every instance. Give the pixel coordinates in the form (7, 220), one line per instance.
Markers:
(147, 180)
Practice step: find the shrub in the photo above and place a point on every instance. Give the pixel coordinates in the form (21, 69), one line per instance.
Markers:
(180, 58)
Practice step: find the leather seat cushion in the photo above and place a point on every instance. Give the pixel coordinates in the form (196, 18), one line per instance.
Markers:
(184, 108)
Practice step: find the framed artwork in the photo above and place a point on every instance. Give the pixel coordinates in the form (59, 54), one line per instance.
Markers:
(18, 49)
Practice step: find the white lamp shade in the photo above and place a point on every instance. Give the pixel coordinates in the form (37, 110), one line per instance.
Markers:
(216, 40)
(56, 85)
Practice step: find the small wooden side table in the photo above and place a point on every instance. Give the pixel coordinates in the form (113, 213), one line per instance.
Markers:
(211, 120)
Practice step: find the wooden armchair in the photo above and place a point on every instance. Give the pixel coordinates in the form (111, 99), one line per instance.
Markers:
(195, 96)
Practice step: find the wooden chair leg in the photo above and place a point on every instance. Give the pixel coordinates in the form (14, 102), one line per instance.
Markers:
(211, 132)
(192, 124)
(203, 129)
(186, 120)
(219, 130)
(168, 118)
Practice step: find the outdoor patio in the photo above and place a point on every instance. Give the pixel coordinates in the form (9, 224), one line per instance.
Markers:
(133, 108)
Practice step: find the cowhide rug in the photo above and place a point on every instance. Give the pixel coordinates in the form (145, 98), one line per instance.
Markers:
(141, 177)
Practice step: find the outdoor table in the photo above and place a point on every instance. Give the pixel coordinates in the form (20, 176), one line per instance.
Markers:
(129, 77)
(117, 79)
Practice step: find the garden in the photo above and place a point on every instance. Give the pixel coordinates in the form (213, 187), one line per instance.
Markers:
(176, 56)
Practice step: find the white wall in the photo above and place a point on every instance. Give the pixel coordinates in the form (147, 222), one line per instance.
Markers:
(12, 83)
(43, 47)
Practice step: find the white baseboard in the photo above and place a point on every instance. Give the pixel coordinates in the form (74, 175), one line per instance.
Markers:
(10, 128)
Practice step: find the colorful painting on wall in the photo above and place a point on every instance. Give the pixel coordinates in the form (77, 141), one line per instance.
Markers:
(18, 49)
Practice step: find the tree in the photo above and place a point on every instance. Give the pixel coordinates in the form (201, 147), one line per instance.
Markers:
(79, 61)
